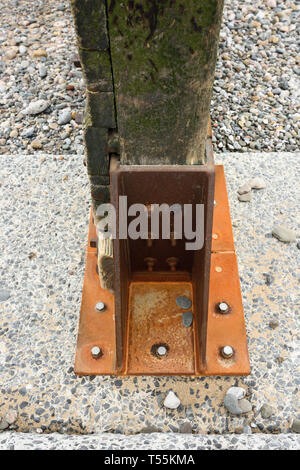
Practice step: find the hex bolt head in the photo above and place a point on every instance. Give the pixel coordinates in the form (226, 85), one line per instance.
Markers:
(161, 350)
(96, 352)
(223, 307)
(100, 306)
(227, 352)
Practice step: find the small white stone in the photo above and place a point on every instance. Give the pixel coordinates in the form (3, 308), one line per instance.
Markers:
(257, 183)
(245, 197)
(244, 189)
(284, 234)
(11, 416)
(171, 401)
(36, 107)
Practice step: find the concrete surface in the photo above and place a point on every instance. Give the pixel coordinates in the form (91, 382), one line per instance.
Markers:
(44, 222)
(155, 441)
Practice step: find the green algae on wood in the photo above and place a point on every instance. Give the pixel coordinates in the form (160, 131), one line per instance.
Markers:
(90, 24)
(163, 56)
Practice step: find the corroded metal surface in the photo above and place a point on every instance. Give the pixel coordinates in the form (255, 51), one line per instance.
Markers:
(155, 319)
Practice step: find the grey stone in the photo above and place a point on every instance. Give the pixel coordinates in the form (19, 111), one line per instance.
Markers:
(245, 197)
(266, 411)
(296, 425)
(3, 425)
(257, 183)
(42, 71)
(183, 302)
(171, 401)
(245, 405)
(11, 416)
(4, 295)
(29, 132)
(235, 402)
(284, 234)
(36, 107)
(244, 189)
(186, 428)
(64, 117)
(187, 319)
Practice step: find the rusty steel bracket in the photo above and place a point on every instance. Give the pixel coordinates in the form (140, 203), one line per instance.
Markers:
(139, 329)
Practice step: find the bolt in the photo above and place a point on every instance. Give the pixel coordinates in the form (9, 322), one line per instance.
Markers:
(161, 351)
(215, 203)
(172, 262)
(223, 307)
(96, 352)
(227, 352)
(100, 306)
(150, 263)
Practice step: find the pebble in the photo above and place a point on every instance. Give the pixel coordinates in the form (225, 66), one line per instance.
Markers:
(257, 183)
(22, 50)
(11, 53)
(36, 144)
(296, 425)
(266, 411)
(171, 401)
(244, 189)
(298, 245)
(272, 3)
(183, 302)
(3, 425)
(284, 234)
(186, 428)
(4, 295)
(187, 319)
(11, 416)
(29, 132)
(274, 324)
(36, 107)
(235, 402)
(65, 117)
(245, 197)
(40, 53)
(42, 71)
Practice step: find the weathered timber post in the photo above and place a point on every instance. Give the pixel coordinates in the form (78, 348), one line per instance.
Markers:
(149, 68)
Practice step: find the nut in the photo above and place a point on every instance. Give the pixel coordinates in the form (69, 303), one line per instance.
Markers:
(223, 307)
(96, 352)
(100, 306)
(227, 352)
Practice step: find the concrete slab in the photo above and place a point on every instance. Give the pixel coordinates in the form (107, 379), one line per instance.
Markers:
(44, 222)
(155, 441)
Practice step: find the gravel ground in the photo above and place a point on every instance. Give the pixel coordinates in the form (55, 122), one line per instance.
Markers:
(44, 221)
(256, 90)
(156, 441)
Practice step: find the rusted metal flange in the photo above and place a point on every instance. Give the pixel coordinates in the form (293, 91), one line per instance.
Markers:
(155, 320)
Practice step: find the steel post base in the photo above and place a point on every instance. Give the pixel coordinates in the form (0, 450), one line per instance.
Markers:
(155, 320)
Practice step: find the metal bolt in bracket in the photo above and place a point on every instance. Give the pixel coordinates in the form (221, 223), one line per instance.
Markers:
(100, 306)
(162, 351)
(223, 307)
(227, 352)
(96, 352)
